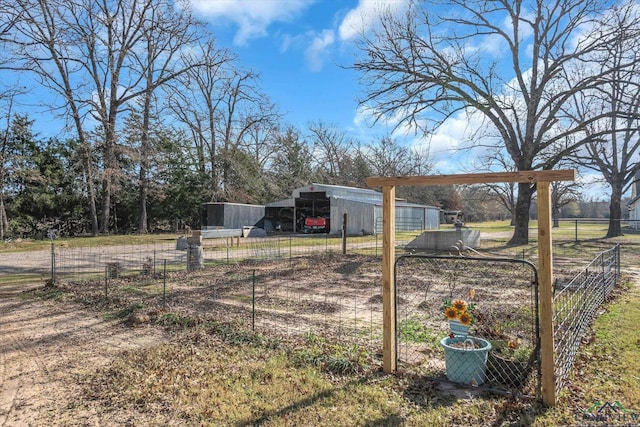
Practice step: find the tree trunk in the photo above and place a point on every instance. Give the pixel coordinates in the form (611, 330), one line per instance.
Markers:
(523, 205)
(142, 224)
(3, 217)
(110, 169)
(615, 213)
(143, 181)
(555, 213)
(86, 163)
(106, 204)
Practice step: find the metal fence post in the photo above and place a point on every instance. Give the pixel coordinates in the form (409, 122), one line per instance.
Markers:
(253, 301)
(164, 284)
(376, 234)
(344, 234)
(53, 263)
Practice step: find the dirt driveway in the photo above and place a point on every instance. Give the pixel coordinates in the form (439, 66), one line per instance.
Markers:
(44, 347)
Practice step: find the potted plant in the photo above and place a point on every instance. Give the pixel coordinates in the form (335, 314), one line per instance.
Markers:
(460, 316)
(465, 356)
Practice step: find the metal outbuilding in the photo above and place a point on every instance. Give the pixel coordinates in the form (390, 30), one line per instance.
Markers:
(363, 208)
(224, 215)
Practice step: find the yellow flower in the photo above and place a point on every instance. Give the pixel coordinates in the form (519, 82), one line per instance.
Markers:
(451, 313)
(459, 305)
(465, 318)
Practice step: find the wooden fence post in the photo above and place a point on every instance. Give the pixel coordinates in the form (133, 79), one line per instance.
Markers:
(545, 293)
(545, 264)
(389, 359)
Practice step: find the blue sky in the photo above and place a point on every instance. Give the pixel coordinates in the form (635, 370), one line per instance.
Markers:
(300, 48)
(303, 50)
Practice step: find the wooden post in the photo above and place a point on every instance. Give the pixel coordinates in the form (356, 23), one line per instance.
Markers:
(389, 359)
(545, 293)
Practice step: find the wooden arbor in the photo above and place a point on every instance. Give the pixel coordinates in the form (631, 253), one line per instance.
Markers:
(545, 256)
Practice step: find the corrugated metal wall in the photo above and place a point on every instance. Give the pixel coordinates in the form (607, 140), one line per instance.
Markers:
(233, 215)
(360, 217)
(411, 217)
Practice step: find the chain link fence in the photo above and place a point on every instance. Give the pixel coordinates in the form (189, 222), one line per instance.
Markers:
(501, 349)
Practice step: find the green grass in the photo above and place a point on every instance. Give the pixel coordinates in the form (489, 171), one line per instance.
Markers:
(412, 330)
(607, 369)
(47, 293)
(20, 245)
(23, 279)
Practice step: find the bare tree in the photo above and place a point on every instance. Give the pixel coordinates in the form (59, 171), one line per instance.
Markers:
(613, 142)
(224, 110)
(389, 158)
(92, 54)
(4, 167)
(499, 60)
(563, 193)
(46, 49)
(9, 17)
(166, 33)
(332, 150)
(505, 192)
(195, 100)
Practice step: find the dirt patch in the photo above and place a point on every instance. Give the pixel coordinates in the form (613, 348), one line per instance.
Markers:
(45, 345)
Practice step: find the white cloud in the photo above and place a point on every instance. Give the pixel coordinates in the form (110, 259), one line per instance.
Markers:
(253, 17)
(315, 52)
(365, 15)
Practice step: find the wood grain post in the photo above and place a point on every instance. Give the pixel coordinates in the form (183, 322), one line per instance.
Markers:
(389, 359)
(545, 293)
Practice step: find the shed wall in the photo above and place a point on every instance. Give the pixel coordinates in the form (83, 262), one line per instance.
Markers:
(359, 216)
(233, 215)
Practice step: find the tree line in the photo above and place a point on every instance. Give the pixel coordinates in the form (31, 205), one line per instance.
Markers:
(44, 182)
(159, 118)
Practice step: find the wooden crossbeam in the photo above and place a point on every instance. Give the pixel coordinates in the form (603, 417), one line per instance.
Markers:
(474, 178)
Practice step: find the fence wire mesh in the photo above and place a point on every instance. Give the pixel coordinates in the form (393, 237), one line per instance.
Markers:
(575, 304)
(297, 288)
(322, 299)
(502, 295)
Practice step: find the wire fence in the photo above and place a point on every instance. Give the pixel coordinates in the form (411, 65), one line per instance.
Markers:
(575, 304)
(319, 289)
(323, 298)
(141, 259)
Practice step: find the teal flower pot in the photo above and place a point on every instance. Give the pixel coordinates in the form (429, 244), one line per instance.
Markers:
(466, 359)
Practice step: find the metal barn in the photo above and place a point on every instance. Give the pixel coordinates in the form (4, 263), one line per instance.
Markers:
(363, 208)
